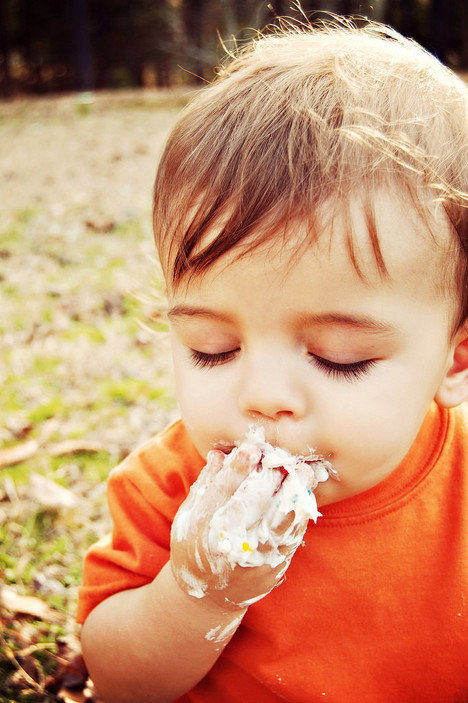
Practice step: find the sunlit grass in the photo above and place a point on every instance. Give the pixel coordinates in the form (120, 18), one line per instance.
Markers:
(84, 366)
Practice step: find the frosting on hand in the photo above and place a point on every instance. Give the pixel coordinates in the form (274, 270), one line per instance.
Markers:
(234, 536)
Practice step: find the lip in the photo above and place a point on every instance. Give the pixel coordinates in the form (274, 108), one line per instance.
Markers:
(225, 447)
(310, 458)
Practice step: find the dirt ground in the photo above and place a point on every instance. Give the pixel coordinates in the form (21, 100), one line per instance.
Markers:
(84, 365)
(94, 152)
(76, 176)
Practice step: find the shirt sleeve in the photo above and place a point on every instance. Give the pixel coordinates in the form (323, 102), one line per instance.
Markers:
(144, 494)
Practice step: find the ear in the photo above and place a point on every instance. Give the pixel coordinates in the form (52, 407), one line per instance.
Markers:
(454, 387)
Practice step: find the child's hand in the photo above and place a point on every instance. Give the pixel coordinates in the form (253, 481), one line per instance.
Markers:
(236, 533)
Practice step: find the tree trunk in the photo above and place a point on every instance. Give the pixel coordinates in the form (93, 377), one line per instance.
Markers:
(80, 44)
(440, 28)
(6, 86)
(192, 22)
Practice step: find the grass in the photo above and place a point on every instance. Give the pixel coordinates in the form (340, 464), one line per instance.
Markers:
(84, 370)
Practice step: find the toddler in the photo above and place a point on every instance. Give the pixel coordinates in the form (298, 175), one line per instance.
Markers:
(301, 534)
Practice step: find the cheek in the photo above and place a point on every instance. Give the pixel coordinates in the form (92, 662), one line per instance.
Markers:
(362, 427)
(196, 388)
(205, 405)
(369, 437)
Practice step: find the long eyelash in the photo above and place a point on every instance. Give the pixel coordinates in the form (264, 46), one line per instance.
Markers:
(204, 360)
(350, 372)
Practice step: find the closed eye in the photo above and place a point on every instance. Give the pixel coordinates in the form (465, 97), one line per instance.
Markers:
(349, 372)
(205, 360)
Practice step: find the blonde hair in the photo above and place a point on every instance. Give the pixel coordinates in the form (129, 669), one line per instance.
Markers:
(302, 116)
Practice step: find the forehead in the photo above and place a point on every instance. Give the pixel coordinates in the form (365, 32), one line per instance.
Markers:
(390, 234)
(382, 237)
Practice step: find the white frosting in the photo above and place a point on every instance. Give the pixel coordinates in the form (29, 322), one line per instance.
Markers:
(237, 533)
(220, 633)
(194, 586)
(261, 523)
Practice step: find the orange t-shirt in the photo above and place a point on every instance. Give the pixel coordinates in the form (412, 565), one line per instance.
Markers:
(374, 606)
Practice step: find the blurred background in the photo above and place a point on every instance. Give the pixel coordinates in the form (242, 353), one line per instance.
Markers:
(66, 45)
(89, 90)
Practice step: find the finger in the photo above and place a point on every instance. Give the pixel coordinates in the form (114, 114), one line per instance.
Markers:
(206, 477)
(307, 475)
(246, 507)
(295, 495)
(242, 461)
(190, 512)
(280, 545)
(320, 470)
(209, 489)
(214, 463)
(235, 529)
(290, 510)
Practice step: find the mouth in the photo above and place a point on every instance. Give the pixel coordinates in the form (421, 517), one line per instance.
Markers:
(317, 459)
(225, 447)
(256, 435)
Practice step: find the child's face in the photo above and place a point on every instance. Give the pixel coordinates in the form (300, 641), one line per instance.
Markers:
(321, 358)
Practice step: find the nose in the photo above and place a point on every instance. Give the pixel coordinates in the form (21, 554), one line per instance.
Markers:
(271, 386)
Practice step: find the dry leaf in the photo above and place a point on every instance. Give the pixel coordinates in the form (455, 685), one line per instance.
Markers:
(72, 675)
(100, 225)
(18, 453)
(28, 605)
(50, 494)
(72, 446)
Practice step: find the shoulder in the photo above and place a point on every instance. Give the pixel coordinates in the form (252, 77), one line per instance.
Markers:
(144, 493)
(452, 459)
(461, 413)
(168, 461)
(457, 429)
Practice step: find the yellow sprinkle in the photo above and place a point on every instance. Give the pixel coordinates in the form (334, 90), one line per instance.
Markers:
(246, 547)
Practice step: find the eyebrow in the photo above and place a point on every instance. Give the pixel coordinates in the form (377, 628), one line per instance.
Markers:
(181, 311)
(360, 322)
